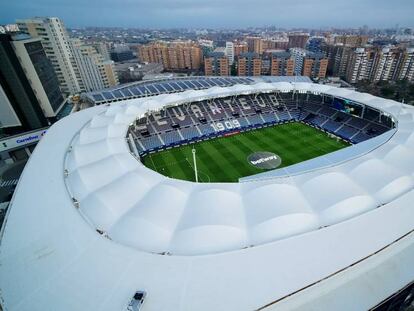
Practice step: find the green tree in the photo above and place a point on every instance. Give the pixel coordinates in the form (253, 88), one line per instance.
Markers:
(233, 69)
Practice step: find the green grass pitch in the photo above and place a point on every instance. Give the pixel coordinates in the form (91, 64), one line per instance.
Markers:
(224, 159)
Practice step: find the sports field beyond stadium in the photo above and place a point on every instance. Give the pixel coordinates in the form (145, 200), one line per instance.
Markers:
(224, 159)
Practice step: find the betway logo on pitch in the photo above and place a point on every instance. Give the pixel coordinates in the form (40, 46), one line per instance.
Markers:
(262, 160)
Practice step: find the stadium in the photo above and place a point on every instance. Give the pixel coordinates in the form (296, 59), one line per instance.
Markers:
(250, 195)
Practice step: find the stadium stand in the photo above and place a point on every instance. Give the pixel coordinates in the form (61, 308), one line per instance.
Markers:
(190, 133)
(215, 117)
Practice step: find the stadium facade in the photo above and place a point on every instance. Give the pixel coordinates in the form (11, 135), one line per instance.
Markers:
(91, 228)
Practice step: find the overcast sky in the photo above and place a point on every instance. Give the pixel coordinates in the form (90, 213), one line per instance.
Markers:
(215, 13)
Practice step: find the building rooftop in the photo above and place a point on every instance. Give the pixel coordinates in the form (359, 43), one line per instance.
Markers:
(172, 83)
(216, 54)
(249, 55)
(241, 246)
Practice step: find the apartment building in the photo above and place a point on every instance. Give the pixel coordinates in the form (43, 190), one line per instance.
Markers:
(275, 44)
(298, 55)
(254, 45)
(249, 64)
(386, 64)
(282, 64)
(338, 57)
(406, 66)
(315, 65)
(297, 40)
(230, 52)
(216, 64)
(240, 48)
(111, 74)
(315, 44)
(56, 45)
(351, 40)
(173, 56)
(92, 70)
(309, 64)
(360, 65)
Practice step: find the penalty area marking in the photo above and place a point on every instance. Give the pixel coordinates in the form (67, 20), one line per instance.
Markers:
(153, 164)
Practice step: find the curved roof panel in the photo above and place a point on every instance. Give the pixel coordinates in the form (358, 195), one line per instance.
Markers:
(114, 226)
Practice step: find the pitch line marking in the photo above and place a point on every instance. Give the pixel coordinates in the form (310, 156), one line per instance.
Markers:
(205, 174)
(153, 164)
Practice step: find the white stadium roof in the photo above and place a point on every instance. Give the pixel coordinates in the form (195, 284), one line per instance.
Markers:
(207, 246)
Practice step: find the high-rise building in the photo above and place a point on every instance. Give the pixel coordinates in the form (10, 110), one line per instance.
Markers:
(154, 53)
(173, 56)
(386, 64)
(298, 55)
(406, 67)
(87, 62)
(93, 72)
(240, 48)
(102, 48)
(249, 64)
(338, 58)
(206, 45)
(315, 65)
(298, 40)
(282, 64)
(216, 64)
(352, 40)
(110, 73)
(255, 45)
(55, 41)
(380, 64)
(230, 52)
(309, 64)
(281, 43)
(30, 94)
(360, 65)
(315, 44)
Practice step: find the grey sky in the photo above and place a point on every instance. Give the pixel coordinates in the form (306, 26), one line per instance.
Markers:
(216, 13)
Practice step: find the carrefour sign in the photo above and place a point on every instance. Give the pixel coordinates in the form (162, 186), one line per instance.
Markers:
(21, 140)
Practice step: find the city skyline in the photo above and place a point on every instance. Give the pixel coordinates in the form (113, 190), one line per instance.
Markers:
(217, 14)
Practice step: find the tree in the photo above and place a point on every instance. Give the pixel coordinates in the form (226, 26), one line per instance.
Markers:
(233, 70)
(387, 91)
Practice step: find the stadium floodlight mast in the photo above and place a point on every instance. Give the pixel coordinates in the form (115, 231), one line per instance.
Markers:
(195, 165)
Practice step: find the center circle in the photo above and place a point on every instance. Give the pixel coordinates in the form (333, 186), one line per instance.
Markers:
(264, 160)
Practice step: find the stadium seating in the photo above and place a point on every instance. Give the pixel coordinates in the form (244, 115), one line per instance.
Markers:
(270, 117)
(360, 137)
(206, 129)
(331, 126)
(171, 137)
(151, 142)
(346, 131)
(177, 124)
(357, 123)
(327, 111)
(190, 133)
(243, 122)
(319, 120)
(255, 120)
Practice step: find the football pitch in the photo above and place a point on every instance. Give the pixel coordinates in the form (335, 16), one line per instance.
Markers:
(224, 159)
